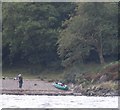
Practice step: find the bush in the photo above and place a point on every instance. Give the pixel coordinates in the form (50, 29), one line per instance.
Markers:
(70, 78)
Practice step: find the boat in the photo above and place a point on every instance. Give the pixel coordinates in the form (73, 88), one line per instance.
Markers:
(60, 86)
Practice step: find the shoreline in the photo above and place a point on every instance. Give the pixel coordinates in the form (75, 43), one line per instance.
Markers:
(35, 92)
(38, 87)
(49, 93)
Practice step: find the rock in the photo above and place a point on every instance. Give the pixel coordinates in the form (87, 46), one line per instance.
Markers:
(92, 93)
(15, 78)
(112, 93)
(71, 86)
(77, 94)
(35, 84)
(103, 78)
(93, 87)
(108, 94)
(92, 80)
(3, 78)
(78, 89)
(42, 79)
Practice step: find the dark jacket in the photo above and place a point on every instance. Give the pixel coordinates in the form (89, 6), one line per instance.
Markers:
(20, 79)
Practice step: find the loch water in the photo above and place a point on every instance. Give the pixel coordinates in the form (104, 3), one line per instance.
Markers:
(44, 101)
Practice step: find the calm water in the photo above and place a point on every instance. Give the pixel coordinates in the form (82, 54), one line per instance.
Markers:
(34, 101)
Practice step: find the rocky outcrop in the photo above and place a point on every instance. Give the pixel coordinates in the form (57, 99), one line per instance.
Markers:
(103, 78)
(78, 89)
(104, 83)
(100, 92)
(94, 91)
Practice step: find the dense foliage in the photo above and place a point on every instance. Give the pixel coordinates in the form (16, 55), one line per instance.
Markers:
(30, 31)
(91, 32)
(40, 33)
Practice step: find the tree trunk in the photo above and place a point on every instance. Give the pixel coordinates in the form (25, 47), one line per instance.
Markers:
(100, 50)
(102, 61)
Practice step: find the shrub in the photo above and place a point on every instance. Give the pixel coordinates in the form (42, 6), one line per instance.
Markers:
(70, 78)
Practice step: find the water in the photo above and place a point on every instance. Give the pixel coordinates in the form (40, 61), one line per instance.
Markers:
(34, 101)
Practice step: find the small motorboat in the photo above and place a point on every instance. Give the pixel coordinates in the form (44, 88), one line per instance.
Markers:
(60, 86)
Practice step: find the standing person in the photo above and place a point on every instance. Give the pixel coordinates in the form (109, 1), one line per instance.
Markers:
(20, 80)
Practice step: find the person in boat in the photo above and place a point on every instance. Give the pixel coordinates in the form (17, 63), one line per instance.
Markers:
(20, 80)
(60, 83)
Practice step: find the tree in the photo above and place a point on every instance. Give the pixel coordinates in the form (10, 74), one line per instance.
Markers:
(30, 31)
(94, 27)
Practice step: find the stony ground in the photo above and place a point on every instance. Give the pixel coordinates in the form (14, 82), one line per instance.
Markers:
(11, 85)
(27, 84)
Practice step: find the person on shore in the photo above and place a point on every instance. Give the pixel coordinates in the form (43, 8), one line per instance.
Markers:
(20, 80)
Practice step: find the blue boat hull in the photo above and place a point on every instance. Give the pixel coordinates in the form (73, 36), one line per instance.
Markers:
(65, 87)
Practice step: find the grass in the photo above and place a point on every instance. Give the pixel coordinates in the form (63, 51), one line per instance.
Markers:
(38, 72)
(32, 72)
(96, 68)
(83, 69)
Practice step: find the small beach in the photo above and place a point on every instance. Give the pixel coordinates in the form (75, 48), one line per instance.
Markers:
(31, 87)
